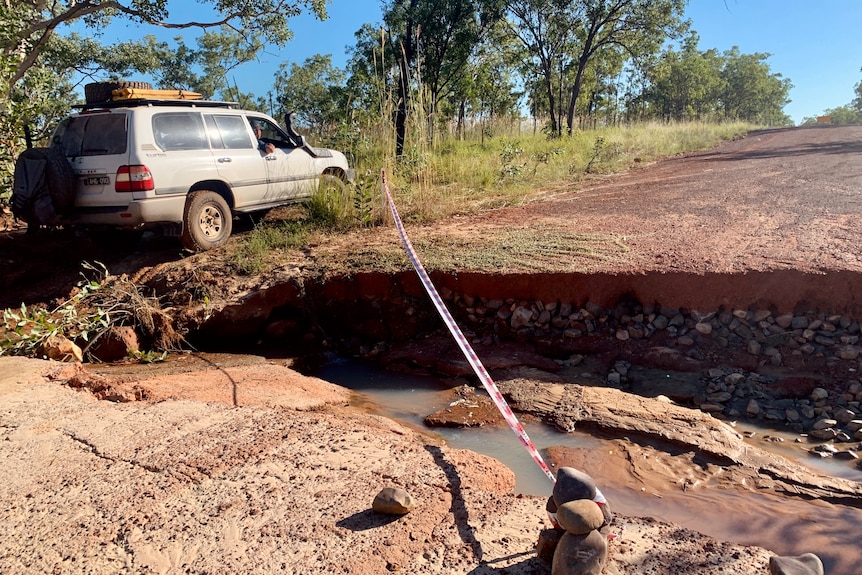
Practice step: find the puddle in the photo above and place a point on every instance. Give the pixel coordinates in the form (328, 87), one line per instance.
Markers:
(786, 526)
(409, 398)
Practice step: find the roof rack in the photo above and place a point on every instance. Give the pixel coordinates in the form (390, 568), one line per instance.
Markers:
(138, 102)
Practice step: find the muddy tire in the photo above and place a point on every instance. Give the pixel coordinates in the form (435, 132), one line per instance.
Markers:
(43, 186)
(98, 92)
(207, 221)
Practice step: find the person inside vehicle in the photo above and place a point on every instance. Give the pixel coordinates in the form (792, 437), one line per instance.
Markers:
(265, 147)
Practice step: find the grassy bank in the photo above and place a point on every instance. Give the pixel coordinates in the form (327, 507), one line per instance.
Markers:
(510, 166)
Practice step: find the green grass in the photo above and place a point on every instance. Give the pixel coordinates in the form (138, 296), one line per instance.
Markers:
(262, 245)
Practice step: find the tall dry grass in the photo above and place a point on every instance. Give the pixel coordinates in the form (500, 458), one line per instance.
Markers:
(509, 165)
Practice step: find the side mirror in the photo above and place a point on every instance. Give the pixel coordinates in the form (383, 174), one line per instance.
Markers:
(298, 141)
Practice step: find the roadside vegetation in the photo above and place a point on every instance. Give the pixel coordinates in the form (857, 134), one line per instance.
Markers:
(462, 177)
(98, 303)
(471, 106)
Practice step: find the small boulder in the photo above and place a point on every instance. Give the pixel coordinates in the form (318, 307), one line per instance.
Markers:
(580, 554)
(572, 485)
(844, 415)
(59, 348)
(580, 517)
(806, 564)
(393, 501)
(115, 344)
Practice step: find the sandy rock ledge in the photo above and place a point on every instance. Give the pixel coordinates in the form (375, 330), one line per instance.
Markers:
(270, 485)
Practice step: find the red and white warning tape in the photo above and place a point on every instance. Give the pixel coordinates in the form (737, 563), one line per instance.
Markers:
(462, 342)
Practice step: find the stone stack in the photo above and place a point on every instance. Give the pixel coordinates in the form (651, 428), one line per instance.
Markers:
(578, 543)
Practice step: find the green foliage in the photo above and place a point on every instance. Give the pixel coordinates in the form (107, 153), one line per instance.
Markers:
(316, 92)
(367, 203)
(707, 85)
(148, 356)
(513, 162)
(843, 115)
(24, 331)
(28, 27)
(97, 304)
(331, 205)
(848, 114)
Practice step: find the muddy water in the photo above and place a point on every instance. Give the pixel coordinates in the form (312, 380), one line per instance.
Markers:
(409, 398)
(787, 526)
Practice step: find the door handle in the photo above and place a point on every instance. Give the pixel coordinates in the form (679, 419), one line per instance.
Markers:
(224, 160)
(271, 158)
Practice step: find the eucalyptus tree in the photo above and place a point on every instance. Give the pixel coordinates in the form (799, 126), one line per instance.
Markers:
(752, 92)
(544, 28)
(687, 84)
(488, 88)
(431, 41)
(636, 26)
(315, 91)
(31, 24)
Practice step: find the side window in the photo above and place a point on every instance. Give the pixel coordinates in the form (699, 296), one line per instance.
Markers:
(270, 132)
(91, 135)
(212, 130)
(179, 131)
(232, 131)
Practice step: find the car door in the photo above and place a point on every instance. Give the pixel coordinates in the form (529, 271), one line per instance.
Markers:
(291, 171)
(238, 160)
(186, 157)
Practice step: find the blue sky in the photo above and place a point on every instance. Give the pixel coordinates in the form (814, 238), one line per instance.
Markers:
(817, 44)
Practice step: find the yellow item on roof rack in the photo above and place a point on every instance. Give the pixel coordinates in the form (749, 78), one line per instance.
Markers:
(137, 93)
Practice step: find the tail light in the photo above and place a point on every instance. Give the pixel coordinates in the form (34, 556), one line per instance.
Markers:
(134, 179)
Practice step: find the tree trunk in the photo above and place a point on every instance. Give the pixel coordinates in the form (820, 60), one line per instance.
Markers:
(552, 102)
(576, 91)
(401, 110)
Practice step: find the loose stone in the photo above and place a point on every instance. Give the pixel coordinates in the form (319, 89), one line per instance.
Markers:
(580, 554)
(393, 501)
(818, 393)
(573, 484)
(824, 423)
(806, 564)
(580, 517)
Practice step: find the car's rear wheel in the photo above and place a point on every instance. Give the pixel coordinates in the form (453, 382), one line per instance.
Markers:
(207, 221)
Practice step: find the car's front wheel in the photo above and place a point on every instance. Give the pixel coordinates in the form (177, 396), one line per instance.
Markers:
(207, 221)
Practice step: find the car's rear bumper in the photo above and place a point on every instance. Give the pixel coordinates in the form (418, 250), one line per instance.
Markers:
(136, 213)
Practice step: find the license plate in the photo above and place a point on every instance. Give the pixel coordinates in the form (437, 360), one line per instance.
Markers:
(97, 181)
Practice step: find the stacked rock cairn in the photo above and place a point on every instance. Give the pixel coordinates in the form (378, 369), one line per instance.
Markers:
(578, 543)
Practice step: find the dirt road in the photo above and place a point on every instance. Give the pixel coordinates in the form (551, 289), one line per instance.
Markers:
(786, 199)
(777, 199)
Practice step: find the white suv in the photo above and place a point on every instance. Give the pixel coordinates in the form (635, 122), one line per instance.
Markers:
(188, 165)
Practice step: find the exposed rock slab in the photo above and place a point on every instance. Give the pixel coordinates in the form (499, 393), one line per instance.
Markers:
(618, 414)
